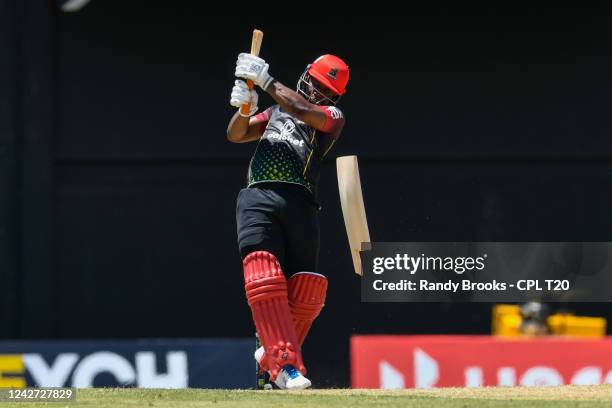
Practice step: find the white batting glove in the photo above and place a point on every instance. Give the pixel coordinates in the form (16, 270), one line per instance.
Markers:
(241, 94)
(254, 68)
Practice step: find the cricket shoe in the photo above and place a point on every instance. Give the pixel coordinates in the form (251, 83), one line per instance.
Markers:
(289, 377)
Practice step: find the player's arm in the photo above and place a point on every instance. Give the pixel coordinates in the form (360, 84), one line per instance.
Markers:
(325, 119)
(295, 105)
(318, 117)
(245, 128)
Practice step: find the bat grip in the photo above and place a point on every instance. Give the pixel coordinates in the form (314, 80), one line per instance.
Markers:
(255, 47)
(246, 108)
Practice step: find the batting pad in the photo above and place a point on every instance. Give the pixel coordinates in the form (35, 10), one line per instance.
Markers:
(266, 292)
(306, 299)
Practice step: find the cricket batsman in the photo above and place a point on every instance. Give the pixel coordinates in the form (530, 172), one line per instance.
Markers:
(277, 213)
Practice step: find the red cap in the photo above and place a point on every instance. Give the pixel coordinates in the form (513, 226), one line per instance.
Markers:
(331, 71)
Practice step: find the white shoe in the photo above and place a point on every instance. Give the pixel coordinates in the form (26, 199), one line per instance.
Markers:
(289, 377)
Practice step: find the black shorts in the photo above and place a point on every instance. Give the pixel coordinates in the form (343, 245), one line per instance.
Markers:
(280, 218)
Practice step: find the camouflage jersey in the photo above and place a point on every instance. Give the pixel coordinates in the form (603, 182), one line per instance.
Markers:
(290, 151)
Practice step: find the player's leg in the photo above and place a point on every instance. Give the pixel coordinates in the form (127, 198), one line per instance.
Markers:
(266, 291)
(306, 292)
(257, 225)
(307, 289)
(260, 238)
(300, 223)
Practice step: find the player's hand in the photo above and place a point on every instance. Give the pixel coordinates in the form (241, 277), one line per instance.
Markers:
(254, 68)
(241, 94)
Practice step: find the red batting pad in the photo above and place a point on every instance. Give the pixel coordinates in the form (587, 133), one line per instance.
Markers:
(266, 292)
(306, 299)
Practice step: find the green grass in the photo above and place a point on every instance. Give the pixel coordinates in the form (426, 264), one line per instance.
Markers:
(558, 397)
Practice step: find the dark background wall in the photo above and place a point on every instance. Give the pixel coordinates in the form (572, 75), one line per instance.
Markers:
(118, 220)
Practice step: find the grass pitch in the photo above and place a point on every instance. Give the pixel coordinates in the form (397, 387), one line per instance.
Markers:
(558, 397)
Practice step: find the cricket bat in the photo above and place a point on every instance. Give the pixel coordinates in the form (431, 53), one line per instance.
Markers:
(353, 210)
(255, 48)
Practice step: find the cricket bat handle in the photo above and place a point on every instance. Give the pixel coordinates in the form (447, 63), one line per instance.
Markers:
(255, 48)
